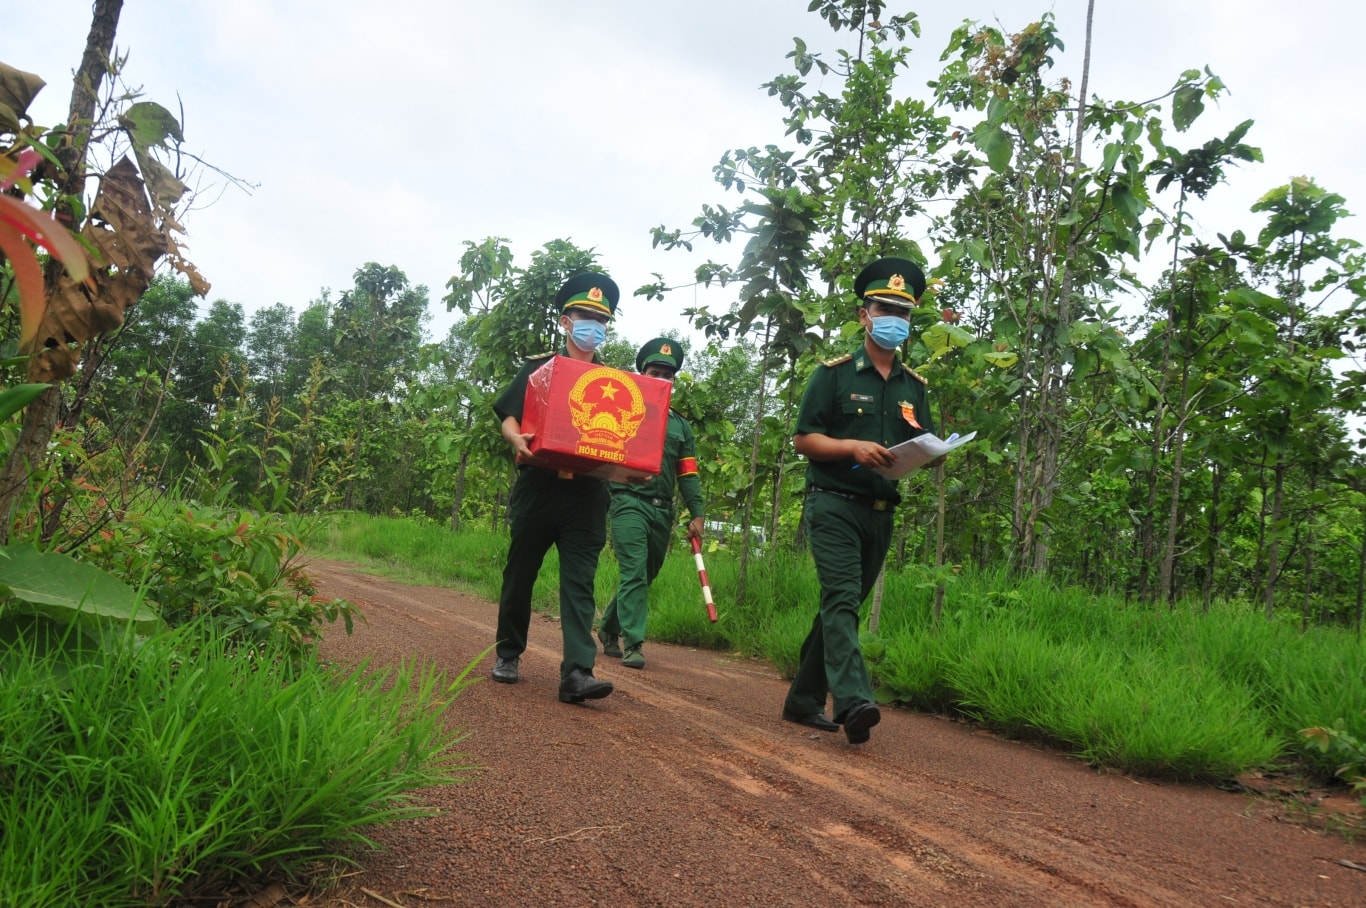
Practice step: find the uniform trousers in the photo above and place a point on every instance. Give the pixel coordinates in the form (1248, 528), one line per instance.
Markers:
(849, 543)
(640, 538)
(570, 514)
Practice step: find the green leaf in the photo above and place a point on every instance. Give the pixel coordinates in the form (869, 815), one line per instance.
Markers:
(995, 143)
(12, 400)
(1001, 360)
(1187, 104)
(148, 124)
(1126, 203)
(977, 251)
(69, 591)
(1112, 152)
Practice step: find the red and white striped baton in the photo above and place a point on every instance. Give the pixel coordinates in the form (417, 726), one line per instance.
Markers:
(702, 575)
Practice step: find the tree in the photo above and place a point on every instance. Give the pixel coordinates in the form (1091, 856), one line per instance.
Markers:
(377, 331)
(1041, 234)
(271, 340)
(130, 226)
(1297, 383)
(822, 212)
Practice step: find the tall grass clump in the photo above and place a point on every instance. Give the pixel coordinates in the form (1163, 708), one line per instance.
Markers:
(419, 550)
(422, 550)
(168, 770)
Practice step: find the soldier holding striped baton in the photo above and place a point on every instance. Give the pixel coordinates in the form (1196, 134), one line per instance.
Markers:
(642, 518)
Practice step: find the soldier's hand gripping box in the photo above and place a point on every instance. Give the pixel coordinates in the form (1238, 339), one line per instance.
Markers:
(592, 419)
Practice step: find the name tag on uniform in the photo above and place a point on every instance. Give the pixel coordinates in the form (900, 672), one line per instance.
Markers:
(862, 398)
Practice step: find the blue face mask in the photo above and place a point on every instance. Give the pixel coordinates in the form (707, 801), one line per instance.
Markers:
(588, 335)
(889, 331)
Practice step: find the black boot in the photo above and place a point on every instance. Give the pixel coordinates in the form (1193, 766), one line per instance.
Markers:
(858, 719)
(505, 669)
(580, 685)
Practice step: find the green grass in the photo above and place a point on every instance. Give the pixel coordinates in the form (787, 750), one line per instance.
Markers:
(169, 770)
(1161, 692)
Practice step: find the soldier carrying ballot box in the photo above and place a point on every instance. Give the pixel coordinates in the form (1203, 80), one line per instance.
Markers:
(556, 507)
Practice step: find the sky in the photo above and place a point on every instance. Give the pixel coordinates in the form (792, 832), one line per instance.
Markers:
(393, 132)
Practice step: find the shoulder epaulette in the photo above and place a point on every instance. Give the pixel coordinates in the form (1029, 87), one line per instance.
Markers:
(838, 361)
(541, 356)
(917, 376)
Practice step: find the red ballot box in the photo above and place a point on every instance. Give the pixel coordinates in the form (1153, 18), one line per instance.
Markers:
(592, 419)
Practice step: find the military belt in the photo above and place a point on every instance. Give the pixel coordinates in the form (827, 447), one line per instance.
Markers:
(877, 504)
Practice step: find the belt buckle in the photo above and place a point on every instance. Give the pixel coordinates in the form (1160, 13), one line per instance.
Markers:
(879, 505)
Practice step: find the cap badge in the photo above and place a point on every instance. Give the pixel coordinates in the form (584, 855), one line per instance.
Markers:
(896, 282)
(595, 294)
(666, 349)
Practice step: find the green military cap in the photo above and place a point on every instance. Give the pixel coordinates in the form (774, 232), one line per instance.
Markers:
(663, 350)
(590, 290)
(898, 282)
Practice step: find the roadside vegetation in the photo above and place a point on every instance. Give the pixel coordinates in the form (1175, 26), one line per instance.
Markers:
(1178, 693)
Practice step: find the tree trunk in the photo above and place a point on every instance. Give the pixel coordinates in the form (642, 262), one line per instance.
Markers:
(1309, 543)
(875, 610)
(459, 490)
(782, 454)
(1212, 534)
(939, 542)
(753, 468)
(1021, 533)
(1164, 583)
(1054, 404)
(1361, 576)
(40, 418)
(460, 475)
(1273, 550)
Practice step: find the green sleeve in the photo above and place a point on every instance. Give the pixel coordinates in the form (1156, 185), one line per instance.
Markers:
(814, 415)
(690, 486)
(511, 401)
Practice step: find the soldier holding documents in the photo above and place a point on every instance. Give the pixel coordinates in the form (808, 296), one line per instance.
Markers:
(855, 408)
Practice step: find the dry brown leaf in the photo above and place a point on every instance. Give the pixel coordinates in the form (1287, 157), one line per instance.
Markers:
(126, 252)
(267, 898)
(166, 189)
(17, 90)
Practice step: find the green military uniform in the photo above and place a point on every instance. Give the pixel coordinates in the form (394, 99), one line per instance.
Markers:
(548, 508)
(642, 516)
(568, 511)
(849, 517)
(642, 520)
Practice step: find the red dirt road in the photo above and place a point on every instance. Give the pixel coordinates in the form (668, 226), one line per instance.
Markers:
(684, 788)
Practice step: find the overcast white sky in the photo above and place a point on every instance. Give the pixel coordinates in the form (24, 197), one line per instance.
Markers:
(392, 132)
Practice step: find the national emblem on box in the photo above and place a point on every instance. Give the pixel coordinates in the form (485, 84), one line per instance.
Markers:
(592, 419)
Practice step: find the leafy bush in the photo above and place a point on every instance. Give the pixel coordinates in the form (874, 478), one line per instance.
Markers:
(1342, 746)
(233, 574)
